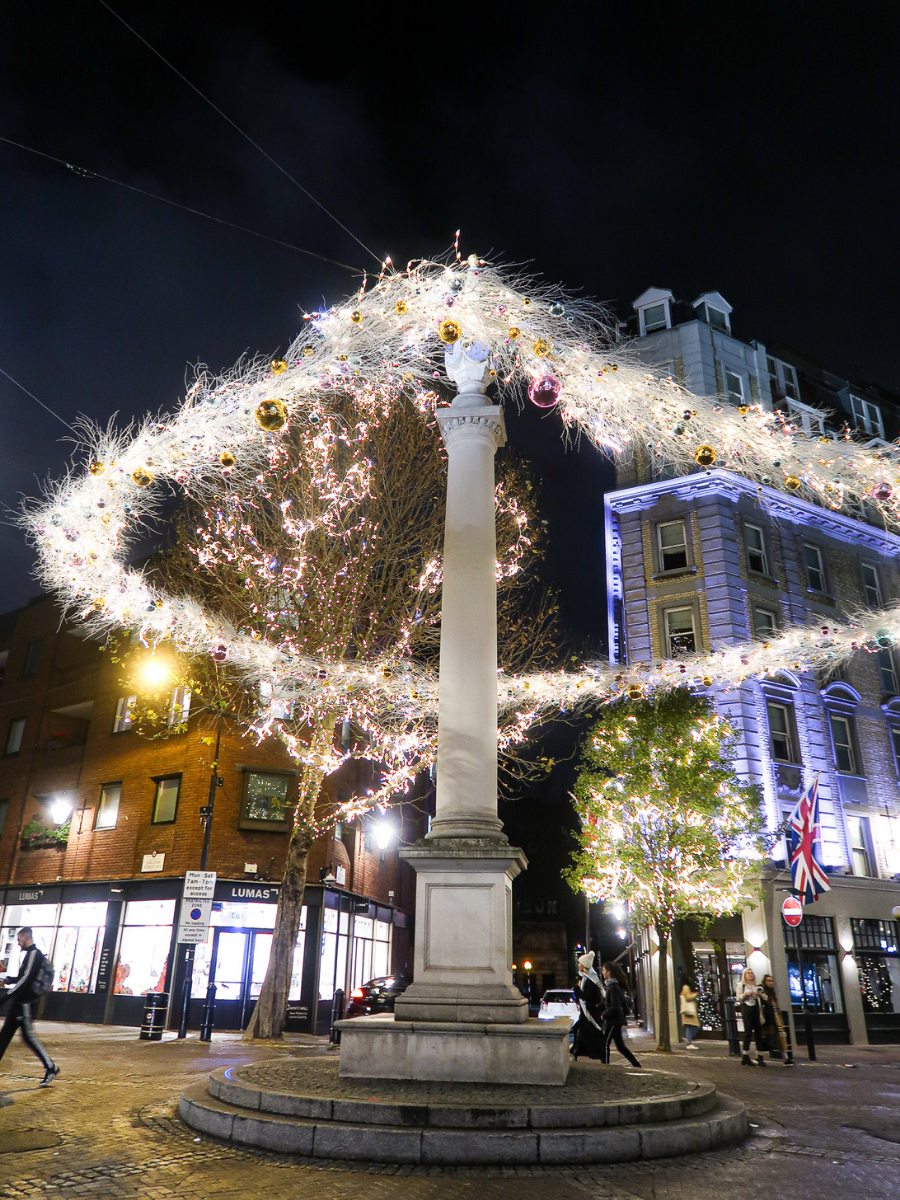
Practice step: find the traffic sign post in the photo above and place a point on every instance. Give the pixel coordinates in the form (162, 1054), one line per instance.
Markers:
(792, 911)
(193, 927)
(792, 915)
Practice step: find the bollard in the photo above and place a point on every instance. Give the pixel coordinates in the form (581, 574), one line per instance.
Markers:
(155, 1007)
(337, 1011)
(209, 1013)
(731, 1029)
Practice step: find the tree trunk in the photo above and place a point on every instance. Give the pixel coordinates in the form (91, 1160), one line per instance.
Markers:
(662, 1000)
(271, 1007)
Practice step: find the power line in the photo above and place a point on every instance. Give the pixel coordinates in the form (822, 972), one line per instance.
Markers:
(234, 125)
(40, 402)
(84, 173)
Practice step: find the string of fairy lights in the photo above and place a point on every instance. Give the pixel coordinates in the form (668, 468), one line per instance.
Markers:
(390, 339)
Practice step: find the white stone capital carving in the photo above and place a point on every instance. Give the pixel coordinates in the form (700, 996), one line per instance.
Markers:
(487, 421)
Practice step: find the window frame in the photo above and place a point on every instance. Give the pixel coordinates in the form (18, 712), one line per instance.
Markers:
(159, 780)
(866, 849)
(758, 608)
(763, 550)
(14, 723)
(879, 602)
(184, 704)
(740, 397)
(32, 650)
(660, 550)
(887, 663)
(245, 822)
(123, 720)
(820, 569)
(790, 733)
(657, 326)
(862, 411)
(777, 370)
(850, 745)
(103, 789)
(666, 613)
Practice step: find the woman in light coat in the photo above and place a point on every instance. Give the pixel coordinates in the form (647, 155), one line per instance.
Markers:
(687, 1003)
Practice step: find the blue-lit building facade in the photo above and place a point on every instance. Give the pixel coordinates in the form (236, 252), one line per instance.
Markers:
(708, 559)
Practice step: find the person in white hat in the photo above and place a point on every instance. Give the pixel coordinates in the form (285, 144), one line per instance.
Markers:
(589, 1040)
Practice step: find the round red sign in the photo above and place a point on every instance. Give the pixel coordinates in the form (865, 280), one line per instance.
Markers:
(792, 910)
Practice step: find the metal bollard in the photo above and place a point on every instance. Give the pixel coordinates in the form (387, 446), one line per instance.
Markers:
(209, 1014)
(731, 1029)
(337, 1011)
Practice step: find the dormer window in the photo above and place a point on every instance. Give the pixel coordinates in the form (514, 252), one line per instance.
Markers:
(867, 416)
(714, 309)
(717, 319)
(653, 310)
(656, 317)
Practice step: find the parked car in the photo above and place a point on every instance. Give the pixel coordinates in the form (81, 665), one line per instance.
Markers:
(560, 1002)
(376, 996)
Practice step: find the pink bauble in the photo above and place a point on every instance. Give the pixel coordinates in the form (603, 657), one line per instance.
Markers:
(544, 392)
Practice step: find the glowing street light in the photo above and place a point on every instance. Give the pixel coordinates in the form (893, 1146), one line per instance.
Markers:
(60, 810)
(384, 833)
(154, 671)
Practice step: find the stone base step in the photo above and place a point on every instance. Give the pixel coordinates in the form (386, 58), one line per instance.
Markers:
(315, 1137)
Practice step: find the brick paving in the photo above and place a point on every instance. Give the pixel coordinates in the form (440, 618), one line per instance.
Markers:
(107, 1128)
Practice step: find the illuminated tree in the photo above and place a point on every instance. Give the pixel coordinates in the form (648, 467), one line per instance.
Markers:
(333, 554)
(666, 824)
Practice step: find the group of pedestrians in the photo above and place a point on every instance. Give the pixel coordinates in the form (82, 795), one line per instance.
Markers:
(762, 1019)
(602, 1011)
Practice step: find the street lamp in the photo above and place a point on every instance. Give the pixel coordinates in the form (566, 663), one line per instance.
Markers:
(60, 810)
(384, 833)
(154, 672)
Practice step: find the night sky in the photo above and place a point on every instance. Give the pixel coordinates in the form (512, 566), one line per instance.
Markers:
(743, 148)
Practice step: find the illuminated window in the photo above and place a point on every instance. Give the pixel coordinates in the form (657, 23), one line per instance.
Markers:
(108, 807)
(124, 717)
(781, 732)
(680, 635)
(755, 544)
(844, 751)
(165, 802)
(858, 839)
(673, 554)
(871, 585)
(180, 706)
(815, 567)
(266, 802)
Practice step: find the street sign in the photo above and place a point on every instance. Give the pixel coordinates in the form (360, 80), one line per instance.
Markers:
(792, 911)
(196, 907)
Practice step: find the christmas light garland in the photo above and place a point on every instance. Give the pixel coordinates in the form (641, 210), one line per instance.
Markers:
(389, 339)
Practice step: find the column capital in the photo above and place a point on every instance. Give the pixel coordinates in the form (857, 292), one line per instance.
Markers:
(466, 422)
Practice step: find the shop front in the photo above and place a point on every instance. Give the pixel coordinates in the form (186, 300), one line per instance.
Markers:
(876, 947)
(814, 979)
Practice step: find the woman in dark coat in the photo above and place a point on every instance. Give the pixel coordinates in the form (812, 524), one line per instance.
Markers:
(588, 1029)
(614, 1014)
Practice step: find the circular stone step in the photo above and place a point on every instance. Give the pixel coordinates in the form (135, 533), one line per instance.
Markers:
(604, 1114)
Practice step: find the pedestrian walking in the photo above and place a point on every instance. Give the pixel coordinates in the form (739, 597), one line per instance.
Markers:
(34, 979)
(615, 1014)
(749, 995)
(687, 1002)
(772, 1024)
(588, 1029)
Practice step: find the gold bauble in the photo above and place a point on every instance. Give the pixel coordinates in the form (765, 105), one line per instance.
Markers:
(449, 332)
(707, 681)
(271, 415)
(356, 317)
(96, 468)
(514, 333)
(401, 307)
(142, 477)
(634, 691)
(342, 358)
(308, 352)
(541, 348)
(743, 409)
(227, 459)
(791, 482)
(705, 456)
(278, 366)
(525, 302)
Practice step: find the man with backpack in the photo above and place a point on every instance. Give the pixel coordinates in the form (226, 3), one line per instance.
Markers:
(35, 978)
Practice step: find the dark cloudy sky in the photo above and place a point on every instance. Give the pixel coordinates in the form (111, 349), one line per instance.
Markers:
(747, 148)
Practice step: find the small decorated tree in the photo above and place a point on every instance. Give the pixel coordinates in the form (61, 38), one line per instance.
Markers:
(666, 824)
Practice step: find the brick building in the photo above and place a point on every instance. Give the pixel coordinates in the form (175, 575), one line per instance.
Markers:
(708, 559)
(98, 826)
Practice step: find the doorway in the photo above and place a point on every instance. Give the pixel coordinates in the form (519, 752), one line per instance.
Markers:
(236, 961)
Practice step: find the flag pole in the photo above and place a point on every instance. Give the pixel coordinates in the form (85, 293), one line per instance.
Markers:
(807, 1015)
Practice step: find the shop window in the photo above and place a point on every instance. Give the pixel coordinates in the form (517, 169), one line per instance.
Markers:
(860, 844)
(781, 732)
(165, 802)
(755, 545)
(266, 802)
(867, 417)
(180, 706)
(844, 741)
(79, 941)
(681, 637)
(765, 625)
(243, 914)
(821, 981)
(333, 963)
(887, 673)
(672, 541)
(871, 585)
(815, 567)
(734, 386)
(15, 734)
(32, 660)
(144, 948)
(108, 806)
(371, 950)
(877, 948)
(42, 920)
(124, 717)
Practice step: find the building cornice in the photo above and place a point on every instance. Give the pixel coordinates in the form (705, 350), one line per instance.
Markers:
(721, 484)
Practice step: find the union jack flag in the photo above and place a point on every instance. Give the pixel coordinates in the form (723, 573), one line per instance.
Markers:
(808, 877)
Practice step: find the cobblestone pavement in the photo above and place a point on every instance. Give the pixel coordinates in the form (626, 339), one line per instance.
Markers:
(107, 1128)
